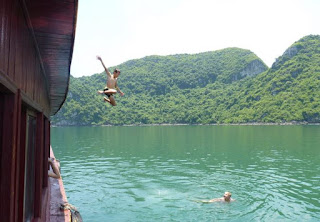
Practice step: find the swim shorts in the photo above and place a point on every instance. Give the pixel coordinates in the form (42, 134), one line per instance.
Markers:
(107, 94)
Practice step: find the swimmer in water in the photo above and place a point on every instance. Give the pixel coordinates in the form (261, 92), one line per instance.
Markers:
(226, 198)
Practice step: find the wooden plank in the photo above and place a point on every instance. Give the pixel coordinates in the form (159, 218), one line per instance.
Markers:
(43, 96)
(2, 7)
(35, 84)
(12, 40)
(45, 9)
(18, 157)
(56, 45)
(9, 8)
(2, 34)
(45, 208)
(54, 27)
(18, 77)
(39, 166)
(53, 36)
(28, 69)
(22, 74)
(46, 152)
(30, 167)
(22, 165)
(4, 38)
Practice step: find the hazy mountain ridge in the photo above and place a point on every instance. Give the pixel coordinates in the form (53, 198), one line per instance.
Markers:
(225, 86)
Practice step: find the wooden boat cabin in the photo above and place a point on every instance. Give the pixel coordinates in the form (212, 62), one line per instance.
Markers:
(36, 46)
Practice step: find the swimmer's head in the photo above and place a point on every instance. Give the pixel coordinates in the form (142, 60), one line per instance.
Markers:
(227, 196)
(116, 73)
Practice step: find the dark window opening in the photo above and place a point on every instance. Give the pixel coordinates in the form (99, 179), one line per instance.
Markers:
(30, 169)
(3, 94)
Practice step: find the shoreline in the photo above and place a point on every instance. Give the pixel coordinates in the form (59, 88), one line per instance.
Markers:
(213, 124)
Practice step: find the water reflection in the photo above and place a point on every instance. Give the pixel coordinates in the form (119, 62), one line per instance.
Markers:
(154, 173)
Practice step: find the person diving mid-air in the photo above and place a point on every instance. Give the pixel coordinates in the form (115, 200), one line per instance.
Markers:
(111, 86)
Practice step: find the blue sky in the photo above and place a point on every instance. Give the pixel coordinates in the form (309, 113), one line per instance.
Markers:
(121, 30)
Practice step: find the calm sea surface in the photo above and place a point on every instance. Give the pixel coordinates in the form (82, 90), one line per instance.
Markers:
(155, 173)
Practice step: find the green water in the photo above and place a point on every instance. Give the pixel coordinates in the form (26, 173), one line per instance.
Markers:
(154, 173)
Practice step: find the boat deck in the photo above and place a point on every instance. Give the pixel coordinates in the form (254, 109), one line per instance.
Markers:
(57, 197)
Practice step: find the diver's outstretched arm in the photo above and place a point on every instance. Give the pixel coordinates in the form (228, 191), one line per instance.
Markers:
(105, 68)
(118, 89)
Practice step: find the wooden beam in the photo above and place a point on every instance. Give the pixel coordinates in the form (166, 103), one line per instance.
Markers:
(22, 165)
(8, 84)
(39, 149)
(18, 156)
(46, 152)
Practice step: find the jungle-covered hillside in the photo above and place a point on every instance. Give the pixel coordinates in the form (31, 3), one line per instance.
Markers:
(231, 85)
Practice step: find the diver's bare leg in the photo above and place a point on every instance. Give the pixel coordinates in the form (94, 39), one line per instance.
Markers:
(107, 100)
(112, 101)
(110, 91)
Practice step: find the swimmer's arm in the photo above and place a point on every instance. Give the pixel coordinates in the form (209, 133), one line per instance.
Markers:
(205, 201)
(55, 173)
(118, 89)
(200, 201)
(105, 68)
(215, 200)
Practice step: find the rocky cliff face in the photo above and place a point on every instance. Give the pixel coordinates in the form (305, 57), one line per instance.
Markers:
(252, 69)
(288, 54)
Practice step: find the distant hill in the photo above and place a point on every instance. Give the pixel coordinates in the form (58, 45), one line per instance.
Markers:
(225, 86)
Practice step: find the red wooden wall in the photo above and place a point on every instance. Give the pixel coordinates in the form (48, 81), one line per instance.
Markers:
(13, 153)
(24, 91)
(36, 45)
(19, 61)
